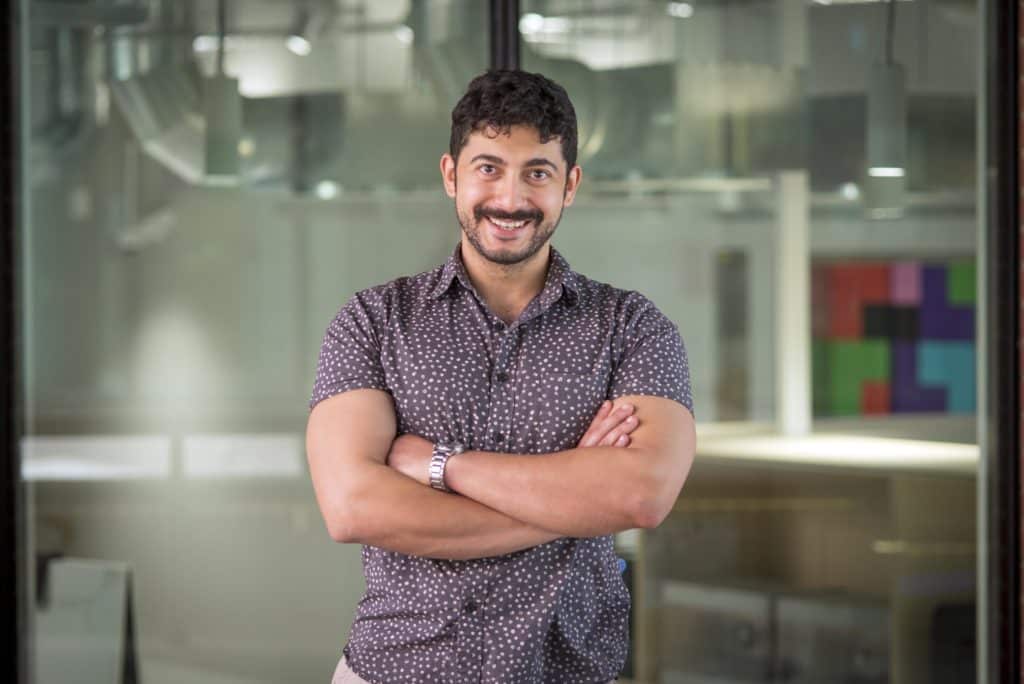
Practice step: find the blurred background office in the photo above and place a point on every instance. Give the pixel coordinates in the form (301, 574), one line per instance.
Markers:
(794, 183)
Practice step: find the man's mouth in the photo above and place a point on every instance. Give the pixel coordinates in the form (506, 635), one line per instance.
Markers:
(510, 226)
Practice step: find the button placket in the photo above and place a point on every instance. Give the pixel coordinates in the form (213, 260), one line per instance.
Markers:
(471, 631)
(501, 392)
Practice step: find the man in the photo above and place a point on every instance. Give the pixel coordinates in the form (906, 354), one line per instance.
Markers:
(462, 426)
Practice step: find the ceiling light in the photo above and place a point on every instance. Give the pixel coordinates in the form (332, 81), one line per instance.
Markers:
(887, 172)
(204, 43)
(299, 45)
(246, 147)
(680, 10)
(531, 23)
(849, 191)
(886, 181)
(405, 35)
(327, 189)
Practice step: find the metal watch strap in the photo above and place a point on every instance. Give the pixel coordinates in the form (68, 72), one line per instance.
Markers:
(438, 461)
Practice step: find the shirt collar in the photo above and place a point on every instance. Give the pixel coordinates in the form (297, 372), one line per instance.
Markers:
(560, 279)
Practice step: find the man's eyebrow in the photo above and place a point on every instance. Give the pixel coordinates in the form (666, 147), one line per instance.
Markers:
(536, 161)
(488, 157)
(542, 161)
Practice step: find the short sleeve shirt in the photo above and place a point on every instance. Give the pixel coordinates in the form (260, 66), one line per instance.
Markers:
(557, 612)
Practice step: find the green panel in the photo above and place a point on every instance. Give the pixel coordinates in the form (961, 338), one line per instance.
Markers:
(877, 360)
(850, 363)
(820, 377)
(962, 283)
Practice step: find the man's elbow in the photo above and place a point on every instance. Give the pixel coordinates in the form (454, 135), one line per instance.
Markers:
(657, 501)
(650, 506)
(651, 513)
(343, 519)
(340, 530)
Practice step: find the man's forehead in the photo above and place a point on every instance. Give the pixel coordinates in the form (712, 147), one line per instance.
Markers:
(519, 139)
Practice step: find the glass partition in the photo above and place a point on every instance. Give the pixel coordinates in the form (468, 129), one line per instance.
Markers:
(199, 211)
(794, 184)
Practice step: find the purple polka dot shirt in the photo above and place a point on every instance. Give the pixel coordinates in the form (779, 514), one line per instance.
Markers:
(557, 612)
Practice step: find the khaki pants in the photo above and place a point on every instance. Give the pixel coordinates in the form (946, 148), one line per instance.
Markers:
(343, 674)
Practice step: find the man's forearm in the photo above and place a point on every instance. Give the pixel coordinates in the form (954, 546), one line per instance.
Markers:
(389, 510)
(593, 490)
(579, 492)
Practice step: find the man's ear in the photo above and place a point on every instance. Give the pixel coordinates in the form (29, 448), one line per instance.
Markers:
(448, 174)
(572, 184)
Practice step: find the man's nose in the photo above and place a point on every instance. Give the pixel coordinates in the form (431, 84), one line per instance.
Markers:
(510, 195)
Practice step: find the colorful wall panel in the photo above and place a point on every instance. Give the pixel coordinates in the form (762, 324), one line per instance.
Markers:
(893, 337)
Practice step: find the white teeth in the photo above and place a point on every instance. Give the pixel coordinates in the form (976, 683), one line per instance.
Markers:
(508, 225)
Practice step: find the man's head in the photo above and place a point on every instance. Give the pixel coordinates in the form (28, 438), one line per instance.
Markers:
(501, 99)
(511, 167)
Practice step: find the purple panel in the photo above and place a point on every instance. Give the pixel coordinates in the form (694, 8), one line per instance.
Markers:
(907, 395)
(939, 321)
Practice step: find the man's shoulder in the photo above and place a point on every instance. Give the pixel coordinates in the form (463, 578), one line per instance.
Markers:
(600, 293)
(400, 289)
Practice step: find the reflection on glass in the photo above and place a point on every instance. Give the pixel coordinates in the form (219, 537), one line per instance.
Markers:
(844, 552)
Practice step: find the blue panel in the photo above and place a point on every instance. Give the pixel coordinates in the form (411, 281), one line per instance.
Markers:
(951, 365)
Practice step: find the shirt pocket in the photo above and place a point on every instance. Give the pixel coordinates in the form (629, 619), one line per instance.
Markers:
(557, 408)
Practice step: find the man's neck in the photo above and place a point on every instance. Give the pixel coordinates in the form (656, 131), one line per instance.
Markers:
(506, 289)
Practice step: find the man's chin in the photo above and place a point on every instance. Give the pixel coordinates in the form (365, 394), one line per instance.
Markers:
(506, 257)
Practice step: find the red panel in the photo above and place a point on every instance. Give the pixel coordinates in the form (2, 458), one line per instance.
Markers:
(851, 287)
(843, 304)
(874, 398)
(819, 301)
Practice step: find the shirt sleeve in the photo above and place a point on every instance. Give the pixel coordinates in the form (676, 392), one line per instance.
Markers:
(653, 360)
(349, 353)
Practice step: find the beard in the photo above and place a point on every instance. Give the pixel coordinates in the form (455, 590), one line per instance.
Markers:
(542, 232)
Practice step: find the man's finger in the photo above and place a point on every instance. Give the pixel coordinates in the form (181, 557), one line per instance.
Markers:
(601, 429)
(593, 434)
(624, 428)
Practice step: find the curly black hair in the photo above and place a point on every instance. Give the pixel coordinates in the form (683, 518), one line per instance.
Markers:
(502, 98)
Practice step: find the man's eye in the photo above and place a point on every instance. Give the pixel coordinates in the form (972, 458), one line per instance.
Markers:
(540, 174)
(487, 168)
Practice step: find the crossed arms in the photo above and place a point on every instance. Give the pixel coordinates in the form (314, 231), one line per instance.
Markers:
(371, 487)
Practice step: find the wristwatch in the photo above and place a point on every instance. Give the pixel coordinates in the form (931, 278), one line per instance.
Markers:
(439, 459)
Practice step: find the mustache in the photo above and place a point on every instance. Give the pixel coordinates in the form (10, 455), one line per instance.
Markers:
(480, 213)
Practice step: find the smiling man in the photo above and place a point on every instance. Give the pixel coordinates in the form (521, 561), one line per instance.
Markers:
(482, 429)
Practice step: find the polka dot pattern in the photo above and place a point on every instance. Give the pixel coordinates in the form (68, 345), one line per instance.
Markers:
(557, 612)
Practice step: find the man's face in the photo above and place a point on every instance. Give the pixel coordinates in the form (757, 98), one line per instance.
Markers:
(509, 191)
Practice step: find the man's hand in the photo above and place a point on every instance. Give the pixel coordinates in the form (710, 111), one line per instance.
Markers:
(610, 427)
(410, 454)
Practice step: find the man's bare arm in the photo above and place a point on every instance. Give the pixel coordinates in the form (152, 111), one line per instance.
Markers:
(589, 492)
(362, 500)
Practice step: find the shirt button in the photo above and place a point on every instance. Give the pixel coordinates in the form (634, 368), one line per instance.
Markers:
(498, 437)
(501, 377)
(469, 606)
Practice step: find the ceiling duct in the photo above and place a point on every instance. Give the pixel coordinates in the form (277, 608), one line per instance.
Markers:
(162, 108)
(187, 123)
(664, 119)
